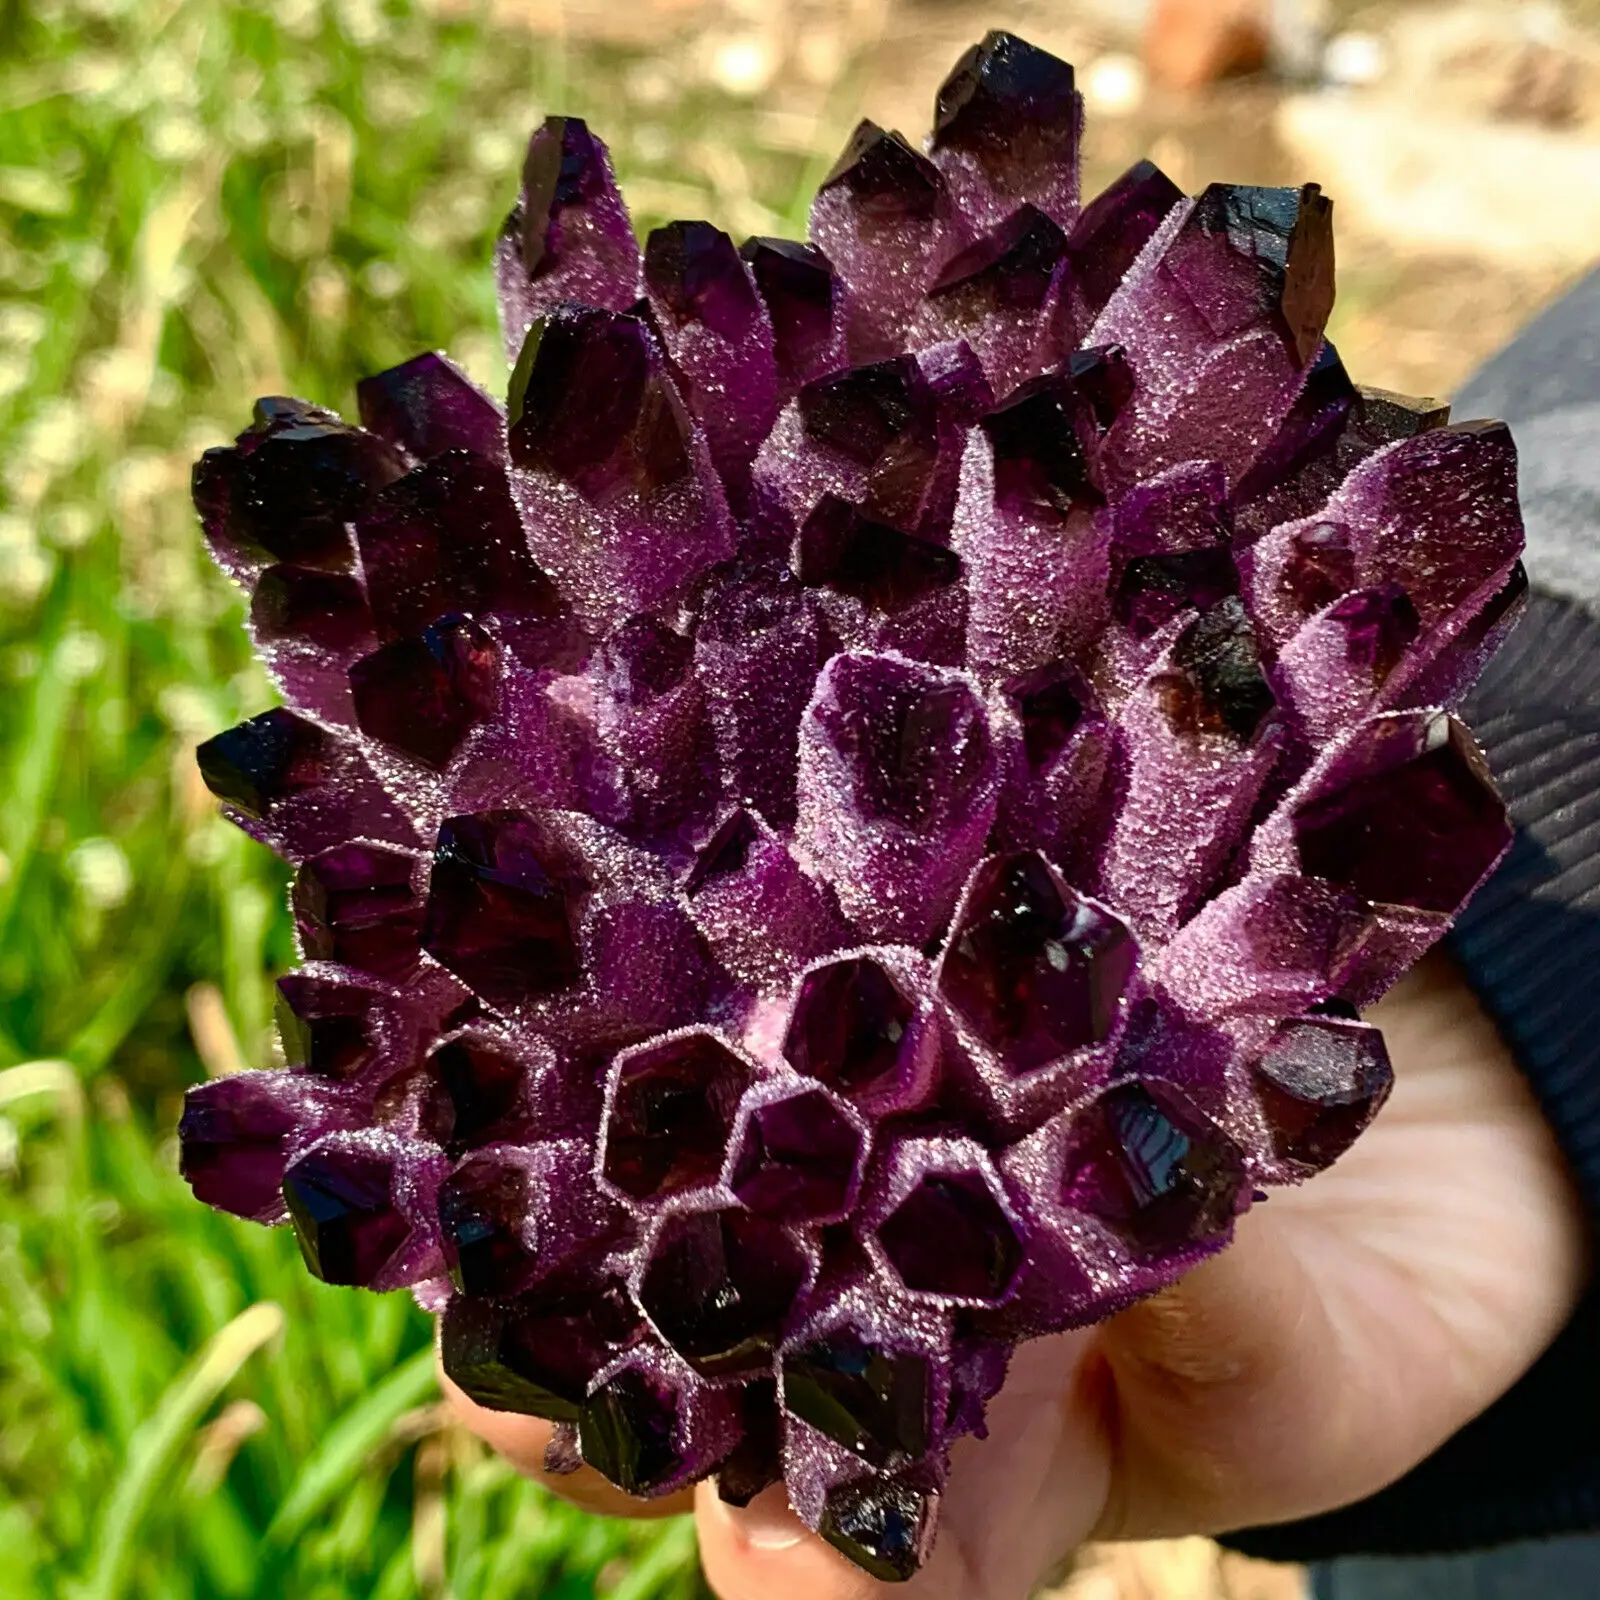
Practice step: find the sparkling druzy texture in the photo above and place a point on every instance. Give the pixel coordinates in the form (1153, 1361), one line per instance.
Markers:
(846, 826)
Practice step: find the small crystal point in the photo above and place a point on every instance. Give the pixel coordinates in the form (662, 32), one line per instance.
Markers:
(428, 405)
(949, 1236)
(1113, 228)
(1321, 1080)
(885, 1527)
(887, 179)
(342, 1204)
(423, 696)
(628, 1431)
(718, 1285)
(1001, 89)
(874, 1403)
(356, 904)
(565, 167)
(1145, 1161)
(693, 271)
(591, 404)
(849, 1025)
(797, 284)
(268, 758)
(1224, 687)
(799, 1158)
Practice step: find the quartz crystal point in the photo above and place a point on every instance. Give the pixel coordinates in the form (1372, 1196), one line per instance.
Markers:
(846, 824)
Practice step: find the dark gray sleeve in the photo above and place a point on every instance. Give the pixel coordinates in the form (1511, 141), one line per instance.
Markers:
(1546, 384)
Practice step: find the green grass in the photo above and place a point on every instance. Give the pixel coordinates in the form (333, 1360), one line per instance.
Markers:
(200, 203)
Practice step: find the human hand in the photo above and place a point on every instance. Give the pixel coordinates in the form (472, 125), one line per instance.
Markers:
(1353, 1326)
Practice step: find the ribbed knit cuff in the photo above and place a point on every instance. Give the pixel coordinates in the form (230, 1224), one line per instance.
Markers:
(1529, 944)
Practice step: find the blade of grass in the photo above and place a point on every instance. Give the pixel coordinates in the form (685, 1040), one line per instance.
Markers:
(156, 1445)
(349, 1442)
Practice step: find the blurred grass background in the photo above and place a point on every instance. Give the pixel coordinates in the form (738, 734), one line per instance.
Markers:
(201, 202)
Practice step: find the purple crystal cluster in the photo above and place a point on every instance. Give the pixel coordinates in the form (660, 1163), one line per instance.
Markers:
(847, 826)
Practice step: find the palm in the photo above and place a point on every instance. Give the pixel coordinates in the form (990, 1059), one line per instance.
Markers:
(1354, 1324)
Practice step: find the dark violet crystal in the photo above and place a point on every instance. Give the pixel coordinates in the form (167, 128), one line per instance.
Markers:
(483, 1085)
(481, 1209)
(1154, 589)
(266, 759)
(880, 1524)
(872, 1402)
(1320, 1081)
(341, 1202)
(326, 609)
(1114, 227)
(718, 1286)
(1380, 625)
(849, 1025)
(628, 1429)
(694, 272)
(879, 565)
(1006, 101)
(428, 405)
(887, 179)
(534, 1354)
(356, 904)
(757, 1460)
(797, 285)
(327, 1027)
(1033, 969)
(1042, 441)
(500, 907)
(863, 410)
(671, 1113)
(446, 538)
(950, 1237)
(591, 403)
(565, 167)
(1050, 702)
(423, 696)
(1144, 1161)
(1407, 815)
(916, 746)
(799, 1158)
(1011, 266)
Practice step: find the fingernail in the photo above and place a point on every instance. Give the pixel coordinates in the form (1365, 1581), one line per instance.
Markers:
(766, 1523)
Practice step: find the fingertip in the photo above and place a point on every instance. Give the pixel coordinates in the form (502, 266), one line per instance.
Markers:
(764, 1552)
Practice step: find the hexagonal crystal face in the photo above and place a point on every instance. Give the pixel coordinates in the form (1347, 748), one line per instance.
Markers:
(883, 1525)
(848, 1027)
(1035, 970)
(949, 1236)
(671, 1112)
(718, 1285)
(798, 1159)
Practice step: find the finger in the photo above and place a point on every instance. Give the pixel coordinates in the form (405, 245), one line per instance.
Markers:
(522, 1441)
(764, 1552)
